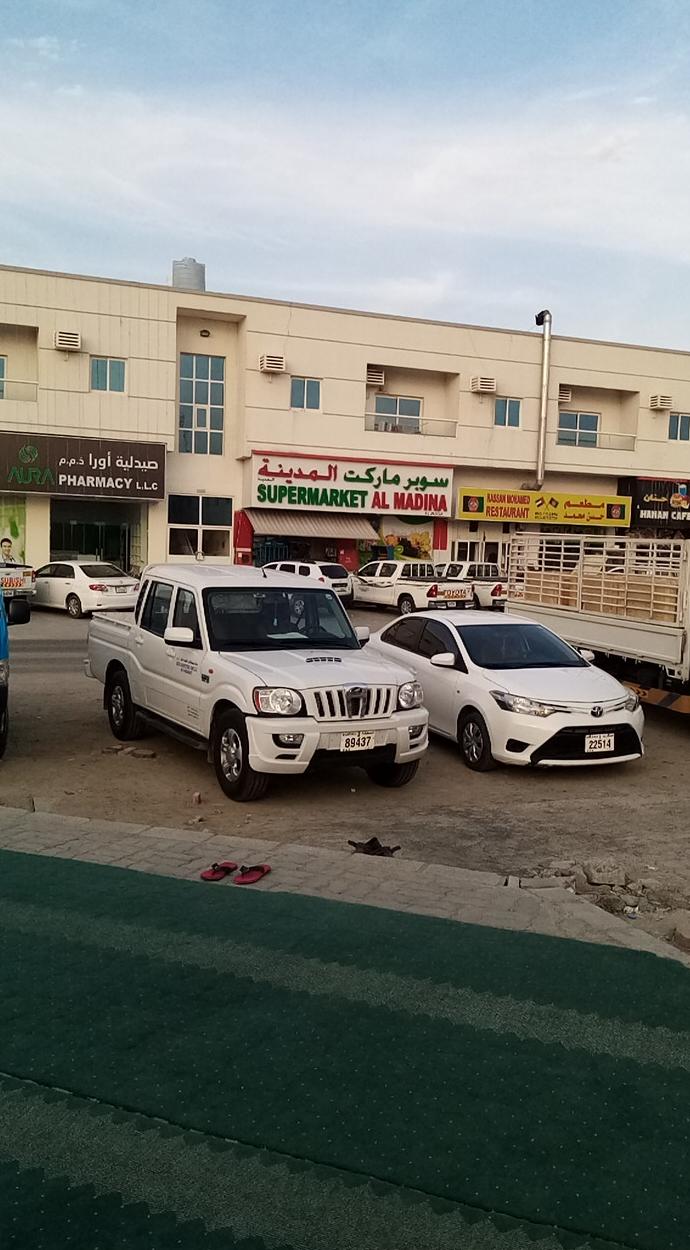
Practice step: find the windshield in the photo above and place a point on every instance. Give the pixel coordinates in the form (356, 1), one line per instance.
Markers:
(336, 571)
(271, 620)
(102, 570)
(517, 646)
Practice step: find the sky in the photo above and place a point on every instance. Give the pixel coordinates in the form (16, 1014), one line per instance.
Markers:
(470, 162)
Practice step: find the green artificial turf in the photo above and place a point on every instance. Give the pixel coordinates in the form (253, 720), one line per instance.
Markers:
(212, 1068)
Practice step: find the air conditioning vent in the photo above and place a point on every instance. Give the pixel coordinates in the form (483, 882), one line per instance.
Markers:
(375, 376)
(483, 386)
(565, 394)
(660, 403)
(272, 364)
(67, 340)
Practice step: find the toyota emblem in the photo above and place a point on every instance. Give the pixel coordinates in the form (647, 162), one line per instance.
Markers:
(597, 711)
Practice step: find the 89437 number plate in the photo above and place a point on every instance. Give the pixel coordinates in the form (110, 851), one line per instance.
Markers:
(356, 742)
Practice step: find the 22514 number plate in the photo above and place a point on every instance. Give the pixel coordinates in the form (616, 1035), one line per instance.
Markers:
(596, 743)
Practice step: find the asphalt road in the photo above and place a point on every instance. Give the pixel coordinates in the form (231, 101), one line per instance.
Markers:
(508, 820)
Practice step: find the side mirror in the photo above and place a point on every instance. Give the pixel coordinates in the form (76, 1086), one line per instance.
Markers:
(587, 655)
(362, 634)
(179, 637)
(18, 612)
(444, 659)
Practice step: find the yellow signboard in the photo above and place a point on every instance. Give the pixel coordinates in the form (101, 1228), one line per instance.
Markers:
(576, 507)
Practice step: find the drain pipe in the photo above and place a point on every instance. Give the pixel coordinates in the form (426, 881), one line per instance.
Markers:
(543, 319)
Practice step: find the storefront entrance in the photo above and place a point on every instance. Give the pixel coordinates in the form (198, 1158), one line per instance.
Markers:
(97, 530)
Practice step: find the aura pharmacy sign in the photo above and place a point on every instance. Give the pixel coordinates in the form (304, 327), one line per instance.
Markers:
(81, 467)
(280, 480)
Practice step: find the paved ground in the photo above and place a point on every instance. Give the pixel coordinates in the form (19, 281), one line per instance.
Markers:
(402, 884)
(505, 821)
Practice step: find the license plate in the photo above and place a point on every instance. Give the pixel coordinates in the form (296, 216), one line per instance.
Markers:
(121, 590)
(12, 583)
(594, 743)
(356, 742)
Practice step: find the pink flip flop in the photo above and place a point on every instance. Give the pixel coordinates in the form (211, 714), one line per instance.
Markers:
(249, 876)
(217, 872)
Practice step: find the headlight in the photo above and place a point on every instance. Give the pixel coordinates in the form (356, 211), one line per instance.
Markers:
(632, 702)
(277, 701)
(4, 672)
(527, 707)
(410, 695)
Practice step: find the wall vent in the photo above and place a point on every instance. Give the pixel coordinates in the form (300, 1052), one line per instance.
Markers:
(483, 386)
(67, 340)
(272, 364)
(375, 376)
(660, 403)
(565, 394)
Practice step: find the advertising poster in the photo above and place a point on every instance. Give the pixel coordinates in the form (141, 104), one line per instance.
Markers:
(12, 529)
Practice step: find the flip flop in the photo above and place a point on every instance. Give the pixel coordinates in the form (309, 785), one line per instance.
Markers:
(248, 876)
(217, 872)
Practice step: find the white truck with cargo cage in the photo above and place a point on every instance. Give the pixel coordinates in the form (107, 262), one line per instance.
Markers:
(263, 670)
(408, 586)
(625, 599)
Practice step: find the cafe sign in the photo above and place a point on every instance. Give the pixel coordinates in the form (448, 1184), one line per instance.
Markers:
(81, 467)
(280, 480)
(548, 507)
(659, 502)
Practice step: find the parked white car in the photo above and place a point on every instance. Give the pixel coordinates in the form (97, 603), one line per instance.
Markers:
(263, 671)
(507, 689)
(490, 590)
(333, 575)
(83, 586)
(407, 585)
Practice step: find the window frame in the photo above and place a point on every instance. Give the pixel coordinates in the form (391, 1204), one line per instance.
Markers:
(305, 407)
(198, 644)
(429, 627)
(108, 361)
(153, 588)
(682, 423)
(197, 426)
(201, 527)
(397, 417)
(391, 634)
(576, 430)
(506, 423)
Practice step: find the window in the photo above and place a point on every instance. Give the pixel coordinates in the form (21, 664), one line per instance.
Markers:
(337, 572)
(517, 646)
(199, 523)
(679, 426)
(387, 570)
(507, 412)
(107, 374)
(397, 414)
(305, 393)
(437, 640)
(202, 404)
(186, 616)
(405, 633)
(578, 429)
(259, 619)
(369, 570)
(3, 375)
(154, 618)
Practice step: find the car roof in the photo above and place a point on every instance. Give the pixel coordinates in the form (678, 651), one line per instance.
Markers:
(201, 574)
(475, 616)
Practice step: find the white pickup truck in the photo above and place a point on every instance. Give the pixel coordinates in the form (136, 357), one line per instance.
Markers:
(490, 590)
(261, 669)
(408, 586)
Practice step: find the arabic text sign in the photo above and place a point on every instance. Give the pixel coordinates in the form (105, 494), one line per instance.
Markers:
(549, 507)
(284, 481)
(660, 502)
(65, 465)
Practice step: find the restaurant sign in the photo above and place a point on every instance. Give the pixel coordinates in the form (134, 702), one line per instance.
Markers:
(350, 485)
(545, 506)
(87, 467)
(660, 502)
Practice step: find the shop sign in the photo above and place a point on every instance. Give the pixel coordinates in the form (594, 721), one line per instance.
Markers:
(659, 502)
(87, 467)
(380, 486)
(548, 507)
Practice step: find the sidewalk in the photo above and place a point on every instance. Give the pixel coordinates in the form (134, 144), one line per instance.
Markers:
(403, 885)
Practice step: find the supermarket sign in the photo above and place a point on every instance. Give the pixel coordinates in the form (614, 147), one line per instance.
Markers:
(280, 480)
(545, 506)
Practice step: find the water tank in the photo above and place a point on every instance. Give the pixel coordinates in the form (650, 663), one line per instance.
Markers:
(189, 274)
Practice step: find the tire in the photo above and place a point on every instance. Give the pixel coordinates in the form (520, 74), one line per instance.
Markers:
(230, 754)
(4, 731)
(392, 776)
(406, 604)
(474, 741)
(123, 716)
(74, 607)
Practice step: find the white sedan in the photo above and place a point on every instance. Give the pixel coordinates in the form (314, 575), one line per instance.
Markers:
(507, 689)
(81, 586)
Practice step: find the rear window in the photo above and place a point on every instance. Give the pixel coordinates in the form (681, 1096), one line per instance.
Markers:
(102, 570)
(336, 571)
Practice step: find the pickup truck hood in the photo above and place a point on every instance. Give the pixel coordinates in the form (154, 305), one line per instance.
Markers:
(311, 670)
(558, 685)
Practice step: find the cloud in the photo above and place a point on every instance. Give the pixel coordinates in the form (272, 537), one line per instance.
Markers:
(42, 47)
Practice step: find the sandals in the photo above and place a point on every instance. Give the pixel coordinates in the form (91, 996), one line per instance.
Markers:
(246, 876)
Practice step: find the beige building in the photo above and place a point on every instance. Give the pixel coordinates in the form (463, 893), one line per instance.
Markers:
(141, 422)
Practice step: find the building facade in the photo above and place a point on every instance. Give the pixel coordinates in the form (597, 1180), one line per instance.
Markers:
(140, 423)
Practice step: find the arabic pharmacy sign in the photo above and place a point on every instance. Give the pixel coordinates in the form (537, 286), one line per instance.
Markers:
(661, 502)
(350, 485)
(551, 508)
(87, 467)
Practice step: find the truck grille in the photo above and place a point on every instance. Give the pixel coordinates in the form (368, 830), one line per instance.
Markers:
(353, 702)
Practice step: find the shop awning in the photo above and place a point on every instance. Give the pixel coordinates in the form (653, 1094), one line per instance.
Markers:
(311, 524)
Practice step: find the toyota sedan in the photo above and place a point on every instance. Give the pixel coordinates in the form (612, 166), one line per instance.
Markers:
(83, 586)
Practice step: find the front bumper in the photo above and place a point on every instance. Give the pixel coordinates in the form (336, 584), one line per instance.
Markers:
(558, 741)
(393, 739)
